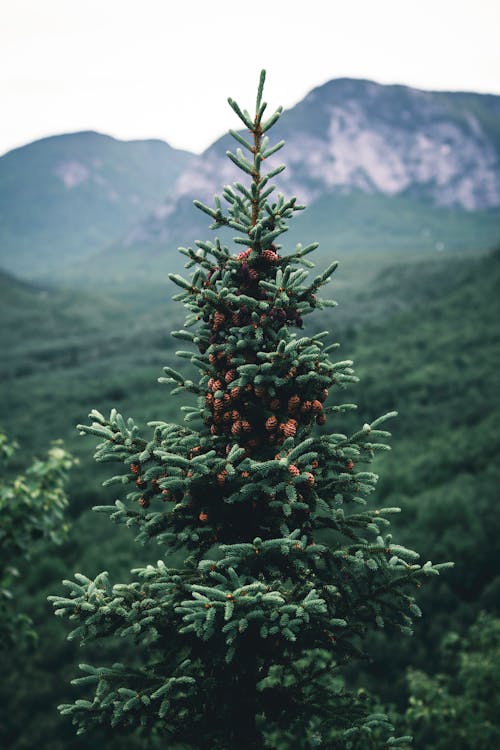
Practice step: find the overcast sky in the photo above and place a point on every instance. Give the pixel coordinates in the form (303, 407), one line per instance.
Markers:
(164, 68)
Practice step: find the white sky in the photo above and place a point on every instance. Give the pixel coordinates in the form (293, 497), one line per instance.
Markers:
(164, 68)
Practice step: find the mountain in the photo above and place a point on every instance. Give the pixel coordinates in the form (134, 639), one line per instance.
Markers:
(385, 168)
(351, 135)
(65, 197)
(379, 166)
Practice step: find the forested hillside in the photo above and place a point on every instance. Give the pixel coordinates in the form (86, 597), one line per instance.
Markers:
(425, 340)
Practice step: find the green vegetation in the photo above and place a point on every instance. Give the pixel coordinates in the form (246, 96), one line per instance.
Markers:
(31, 510)
(459, 709)
(434, 322)
(66, 197)
(358, 227)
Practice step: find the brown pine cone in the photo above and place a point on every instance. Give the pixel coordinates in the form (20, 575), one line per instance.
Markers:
(219, 319)
(236, 428)
(271, 424)
(270, 256)
(293, 403)
(289, 428)
(221, 478)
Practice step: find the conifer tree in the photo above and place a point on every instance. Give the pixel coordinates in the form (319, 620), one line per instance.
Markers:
(285, 568)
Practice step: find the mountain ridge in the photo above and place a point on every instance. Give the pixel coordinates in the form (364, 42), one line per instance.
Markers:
(439, 161)
(346, 137)
(64, 197)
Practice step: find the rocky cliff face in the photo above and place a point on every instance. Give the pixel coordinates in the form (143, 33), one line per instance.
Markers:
(353, 135)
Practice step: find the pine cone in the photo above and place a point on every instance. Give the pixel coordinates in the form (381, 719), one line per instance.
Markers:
(230, 376)
(236, 428)
(310, 478)
(293, 403)
(294, 470)
(306, 406)
(270, 256)
(219, 319)
(317, 407)
(271, 424)
(253, 274)
(321, 419)
(274, 404)
(289, 428)
(143, 502)
(221, 478)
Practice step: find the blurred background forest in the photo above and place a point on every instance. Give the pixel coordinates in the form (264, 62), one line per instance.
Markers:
(403, 187)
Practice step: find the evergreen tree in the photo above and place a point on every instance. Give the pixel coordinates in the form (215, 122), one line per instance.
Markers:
(285, 568)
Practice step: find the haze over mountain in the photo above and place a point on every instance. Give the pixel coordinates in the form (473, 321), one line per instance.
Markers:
(65, 197)
(384, 167)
